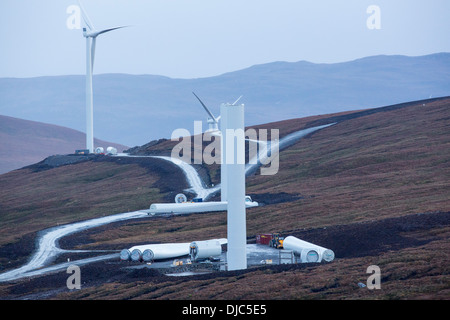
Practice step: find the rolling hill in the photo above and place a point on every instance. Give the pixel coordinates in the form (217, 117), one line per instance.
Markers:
(24, 142)
(135, 109)
(373, 187)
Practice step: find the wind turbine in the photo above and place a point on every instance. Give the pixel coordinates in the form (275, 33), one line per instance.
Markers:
(213, 122)
(91, 34)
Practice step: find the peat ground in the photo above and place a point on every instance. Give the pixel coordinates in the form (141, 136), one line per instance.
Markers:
(373, 188)
(349, 242)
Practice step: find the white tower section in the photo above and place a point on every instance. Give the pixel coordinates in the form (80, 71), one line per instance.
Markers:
(223, 167)
(91, 34)
(89, 97)
(234, 161)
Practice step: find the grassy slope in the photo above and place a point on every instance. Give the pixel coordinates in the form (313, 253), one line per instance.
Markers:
(381, 165)
(365, 169)
(386, 164)
(24, 142)
(34, 198)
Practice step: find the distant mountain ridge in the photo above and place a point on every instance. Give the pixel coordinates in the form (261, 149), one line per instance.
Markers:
(24, 142)
(135, 109)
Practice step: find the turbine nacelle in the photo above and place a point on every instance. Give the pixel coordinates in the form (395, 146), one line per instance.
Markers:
(212, 125)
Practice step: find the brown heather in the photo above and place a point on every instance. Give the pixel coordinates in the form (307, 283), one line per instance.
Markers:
(375, 188)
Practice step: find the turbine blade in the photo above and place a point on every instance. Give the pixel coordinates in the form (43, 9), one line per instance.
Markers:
(94, 40)
(86, 17)
(206, 108)
(234, 103)
(108, 30)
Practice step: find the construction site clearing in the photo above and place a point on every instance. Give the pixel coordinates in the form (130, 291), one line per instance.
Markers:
(268, 250)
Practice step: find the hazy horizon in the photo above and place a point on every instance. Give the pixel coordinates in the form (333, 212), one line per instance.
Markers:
(218, 75)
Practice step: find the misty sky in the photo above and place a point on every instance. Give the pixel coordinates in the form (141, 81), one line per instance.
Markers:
(201, 38)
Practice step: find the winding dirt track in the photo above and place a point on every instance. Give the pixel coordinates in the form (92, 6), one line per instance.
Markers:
(48, 247)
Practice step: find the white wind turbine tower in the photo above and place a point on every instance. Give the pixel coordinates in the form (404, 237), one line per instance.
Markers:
(90, 33)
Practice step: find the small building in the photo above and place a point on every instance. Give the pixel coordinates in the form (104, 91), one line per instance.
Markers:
(263, 238)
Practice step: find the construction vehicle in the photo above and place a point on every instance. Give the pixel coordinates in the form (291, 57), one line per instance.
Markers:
(276, 241)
